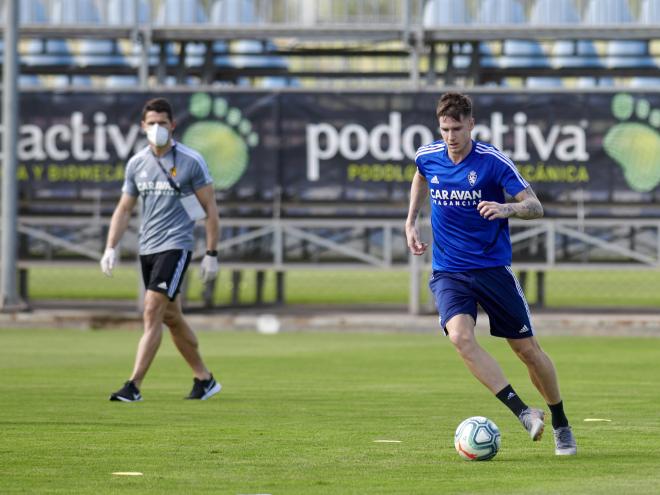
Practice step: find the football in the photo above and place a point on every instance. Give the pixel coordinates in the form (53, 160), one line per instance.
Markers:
(477, 439)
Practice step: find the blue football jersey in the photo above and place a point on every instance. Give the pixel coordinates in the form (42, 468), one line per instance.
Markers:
(463, 239)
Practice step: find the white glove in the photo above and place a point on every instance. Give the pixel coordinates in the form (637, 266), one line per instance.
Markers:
(109, 261)
(209, 268)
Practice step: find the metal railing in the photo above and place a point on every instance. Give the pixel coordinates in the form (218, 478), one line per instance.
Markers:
(283, 245)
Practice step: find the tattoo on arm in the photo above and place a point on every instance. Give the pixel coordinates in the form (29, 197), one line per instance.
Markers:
(527, 208)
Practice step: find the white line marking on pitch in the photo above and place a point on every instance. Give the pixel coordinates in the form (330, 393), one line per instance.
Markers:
(387, 441)
(127, 473)
(593, 420)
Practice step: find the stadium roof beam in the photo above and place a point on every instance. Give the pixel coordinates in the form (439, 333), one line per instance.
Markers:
(539, 33)
(372, 33)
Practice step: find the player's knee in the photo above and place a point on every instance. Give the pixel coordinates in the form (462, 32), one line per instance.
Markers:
(530, 355)
(153, 310)
(171, 318)
(462, 341)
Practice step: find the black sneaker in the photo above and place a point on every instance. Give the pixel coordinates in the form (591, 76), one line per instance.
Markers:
(128, 393)
(204, 389)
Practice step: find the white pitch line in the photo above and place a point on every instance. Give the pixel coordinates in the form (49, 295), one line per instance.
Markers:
(387, 441)
(128, 473)
(593, 420)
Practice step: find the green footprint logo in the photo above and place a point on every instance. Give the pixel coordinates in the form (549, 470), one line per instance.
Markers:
(635, 146)
(223, 138)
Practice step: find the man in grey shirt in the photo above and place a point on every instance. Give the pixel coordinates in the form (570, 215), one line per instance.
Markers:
(176, 189)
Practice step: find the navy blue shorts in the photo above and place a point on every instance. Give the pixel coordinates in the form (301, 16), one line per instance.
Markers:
(496, 290)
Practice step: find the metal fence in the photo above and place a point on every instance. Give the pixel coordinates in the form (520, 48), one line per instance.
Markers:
(611, 263)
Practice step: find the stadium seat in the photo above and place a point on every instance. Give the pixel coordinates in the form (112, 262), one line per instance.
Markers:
(242, 12)
(123, 81)
(88, 52)
(29, 81)
(449, 13)
(233, 12)
(564, 53)
(645, 82)
(122, 12)
(543, 82)
(554, 12)
(31, 12)
(180, 13)
(445, 13)
(183, 13)
(624, 53)
(41, 51)
(649, 13)
(515, 53)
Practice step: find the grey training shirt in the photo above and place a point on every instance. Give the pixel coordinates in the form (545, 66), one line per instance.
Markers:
(165, 224)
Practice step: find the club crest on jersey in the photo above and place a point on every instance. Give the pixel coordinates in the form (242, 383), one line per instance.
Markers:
(472, 178)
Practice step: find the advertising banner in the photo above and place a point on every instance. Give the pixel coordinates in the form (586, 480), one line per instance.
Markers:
(343, 147)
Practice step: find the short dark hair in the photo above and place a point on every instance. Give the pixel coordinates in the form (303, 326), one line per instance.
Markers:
(454, 105)
(159, 105)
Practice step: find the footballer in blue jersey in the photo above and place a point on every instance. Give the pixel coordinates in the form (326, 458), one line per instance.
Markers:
(466, 182)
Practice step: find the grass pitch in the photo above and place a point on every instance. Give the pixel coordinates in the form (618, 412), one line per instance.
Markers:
(300, 414)
(564, 289)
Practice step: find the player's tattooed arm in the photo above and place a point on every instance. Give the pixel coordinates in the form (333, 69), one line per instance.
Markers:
(527, 207)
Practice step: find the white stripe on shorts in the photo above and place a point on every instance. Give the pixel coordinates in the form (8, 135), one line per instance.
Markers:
(177, 274)
(522, 295)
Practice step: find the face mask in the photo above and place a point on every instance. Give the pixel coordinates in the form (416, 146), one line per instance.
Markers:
(158, 135)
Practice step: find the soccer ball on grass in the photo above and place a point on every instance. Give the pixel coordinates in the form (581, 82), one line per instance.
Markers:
(477, 439)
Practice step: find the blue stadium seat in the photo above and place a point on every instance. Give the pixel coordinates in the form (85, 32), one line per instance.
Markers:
(554, 12)
(41, 51)
(612, 12)
(565, 53)
(233, 12)
(88, 52)
(180, 13)
(544, 82)
(445, 13)
(449, 13)
(515, 53)
(123, 81)
(645, 82)
(122, 12)
(625, 53)
(32, 12)
(29, 81)
(183, 13)
(242, 12)
(649, 13)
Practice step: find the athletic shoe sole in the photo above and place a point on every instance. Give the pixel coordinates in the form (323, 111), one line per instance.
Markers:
(537, 430)
(214, 390)
(118, 398)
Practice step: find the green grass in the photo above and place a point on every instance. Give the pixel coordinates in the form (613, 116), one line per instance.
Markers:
(302, 286)
(576, 289)
(300, 412)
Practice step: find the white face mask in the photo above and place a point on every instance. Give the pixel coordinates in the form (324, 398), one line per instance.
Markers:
(158, 135)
